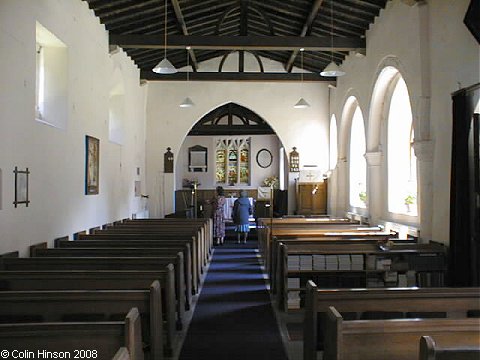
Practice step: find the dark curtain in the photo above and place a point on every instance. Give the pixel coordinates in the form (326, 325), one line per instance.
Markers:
(472, 19)
(464, 241)
(280, 204)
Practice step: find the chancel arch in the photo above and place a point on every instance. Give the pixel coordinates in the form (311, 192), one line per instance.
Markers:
(234, 137)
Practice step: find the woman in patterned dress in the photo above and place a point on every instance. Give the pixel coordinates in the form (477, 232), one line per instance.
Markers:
(218, 213)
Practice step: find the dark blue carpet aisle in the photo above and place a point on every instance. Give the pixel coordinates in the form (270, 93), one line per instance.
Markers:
(234, 318)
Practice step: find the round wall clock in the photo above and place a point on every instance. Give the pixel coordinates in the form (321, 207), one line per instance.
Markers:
(264, 158)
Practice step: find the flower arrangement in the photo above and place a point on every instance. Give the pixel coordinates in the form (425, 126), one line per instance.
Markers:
(271, 181)
(363, 196)
(410, 199)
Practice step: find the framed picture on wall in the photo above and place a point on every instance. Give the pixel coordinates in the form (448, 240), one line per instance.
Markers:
(21, 186)
(92, 151)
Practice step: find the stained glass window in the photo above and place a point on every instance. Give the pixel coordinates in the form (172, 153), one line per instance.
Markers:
(232, 161)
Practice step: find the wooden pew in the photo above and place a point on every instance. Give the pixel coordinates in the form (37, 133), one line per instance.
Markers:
(395, 339)
(404, 256)
(321, 232)
(429, 350)
(100, 339)
(27, 280)
(264, 225)
(144, 244)
(73, 305)
(122, 354)
(205, 241)
(198, 256)
(205, 223)
(41, 250)
(455, 302)
(108, 263)
(311, 243)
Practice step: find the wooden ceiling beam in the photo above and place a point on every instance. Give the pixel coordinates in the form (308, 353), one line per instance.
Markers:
(271, 43)
(183, 27)
(306, 30)
(236, 76)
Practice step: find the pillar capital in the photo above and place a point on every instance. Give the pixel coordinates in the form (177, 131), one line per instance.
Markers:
(374, 158)
(423, 150)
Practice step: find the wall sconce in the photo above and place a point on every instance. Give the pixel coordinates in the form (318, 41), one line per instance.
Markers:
(294, 160)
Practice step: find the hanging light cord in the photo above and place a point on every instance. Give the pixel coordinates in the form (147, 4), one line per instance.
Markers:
(188, 64)
(165, 33)
(301, 63)
(331, 30)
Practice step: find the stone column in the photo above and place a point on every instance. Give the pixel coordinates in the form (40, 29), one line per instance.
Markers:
(375, 186)
(424, 153)
(341, 173)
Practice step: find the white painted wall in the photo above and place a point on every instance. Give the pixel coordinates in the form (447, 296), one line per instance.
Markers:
(56, 157)
(168, 124)
(436, 55)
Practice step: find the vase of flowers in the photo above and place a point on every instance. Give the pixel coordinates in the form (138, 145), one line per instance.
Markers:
(363, 197)
(409, 201)
(271, 181)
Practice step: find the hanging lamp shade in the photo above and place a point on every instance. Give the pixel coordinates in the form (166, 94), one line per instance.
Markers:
(301, 104)
(187, 103)
(164, 67)
(332, 69)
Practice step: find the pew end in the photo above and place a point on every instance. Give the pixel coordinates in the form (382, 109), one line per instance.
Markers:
(33, 248)
(122, 354)
(156, 319)
(133, 334)
(429, 350)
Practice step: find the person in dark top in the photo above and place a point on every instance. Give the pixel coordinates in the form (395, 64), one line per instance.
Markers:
(242, 209)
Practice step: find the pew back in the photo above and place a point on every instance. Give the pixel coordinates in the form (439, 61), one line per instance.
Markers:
(455, 302)
(76, 305)
(100, 280)
(102, 339)
(429, 350)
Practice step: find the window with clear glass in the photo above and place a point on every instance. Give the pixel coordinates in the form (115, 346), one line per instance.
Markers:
(39, 83)
(402, 162)
(232, 161)
(333, 143)
(51, 79)
(358, 164)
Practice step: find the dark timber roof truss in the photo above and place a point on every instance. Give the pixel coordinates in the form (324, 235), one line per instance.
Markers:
(273, 29)
(231, 119)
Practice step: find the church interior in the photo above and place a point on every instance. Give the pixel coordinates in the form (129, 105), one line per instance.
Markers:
(351, 126)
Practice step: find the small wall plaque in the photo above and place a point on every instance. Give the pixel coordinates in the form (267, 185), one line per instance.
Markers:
(168, 161)
(92, 162)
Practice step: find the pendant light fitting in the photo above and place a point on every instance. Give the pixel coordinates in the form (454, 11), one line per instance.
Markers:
(187, 102)
(302, 103)
(332, 69)
(165, 66)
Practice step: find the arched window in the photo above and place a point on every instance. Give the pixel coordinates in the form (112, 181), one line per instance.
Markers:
(358, 164)
(333, 143)
(402, 163)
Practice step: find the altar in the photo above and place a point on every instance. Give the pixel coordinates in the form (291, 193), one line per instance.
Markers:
(228, 207)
